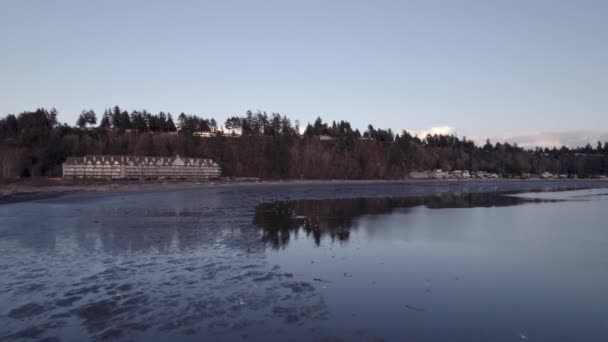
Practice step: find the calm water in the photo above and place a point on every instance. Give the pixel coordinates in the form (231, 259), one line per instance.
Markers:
(250, 264)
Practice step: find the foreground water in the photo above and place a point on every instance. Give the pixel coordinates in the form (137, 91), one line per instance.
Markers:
(426, 262)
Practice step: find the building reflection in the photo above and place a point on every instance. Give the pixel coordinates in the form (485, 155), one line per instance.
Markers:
(147, 223)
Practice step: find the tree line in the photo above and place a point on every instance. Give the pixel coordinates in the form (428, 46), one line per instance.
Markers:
(270, 146)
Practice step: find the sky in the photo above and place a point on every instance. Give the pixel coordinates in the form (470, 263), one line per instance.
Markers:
(529, 70)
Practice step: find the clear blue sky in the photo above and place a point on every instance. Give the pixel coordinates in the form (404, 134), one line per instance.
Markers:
(484, 67)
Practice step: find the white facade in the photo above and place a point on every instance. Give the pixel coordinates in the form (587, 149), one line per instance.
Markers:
(140, 167)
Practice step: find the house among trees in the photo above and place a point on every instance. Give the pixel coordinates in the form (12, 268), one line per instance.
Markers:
(203, 134)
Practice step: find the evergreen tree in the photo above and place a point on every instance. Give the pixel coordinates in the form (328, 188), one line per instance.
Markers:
(170, 124)
(105, 120)
(82, 121)
(86, 117)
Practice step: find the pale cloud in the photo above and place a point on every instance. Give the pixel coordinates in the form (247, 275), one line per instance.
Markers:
(549, 139)
(439, 130)
(530, 139)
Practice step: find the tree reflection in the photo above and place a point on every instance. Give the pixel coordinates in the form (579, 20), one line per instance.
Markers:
(335, 218)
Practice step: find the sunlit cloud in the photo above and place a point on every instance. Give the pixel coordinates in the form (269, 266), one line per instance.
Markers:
(529, 139)
(439, 130)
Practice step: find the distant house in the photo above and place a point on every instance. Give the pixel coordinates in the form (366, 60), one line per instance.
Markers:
(456, 173)
(439, 174)
(325, 137)
(204, 134)
(547, 175)
(420, 175)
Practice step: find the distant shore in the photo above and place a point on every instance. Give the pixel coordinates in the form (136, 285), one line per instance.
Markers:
(41, 188)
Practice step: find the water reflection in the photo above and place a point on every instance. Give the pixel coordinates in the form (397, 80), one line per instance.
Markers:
(473, 273)
(336, 218)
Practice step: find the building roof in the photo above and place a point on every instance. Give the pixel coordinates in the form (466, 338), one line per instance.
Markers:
(139, 160)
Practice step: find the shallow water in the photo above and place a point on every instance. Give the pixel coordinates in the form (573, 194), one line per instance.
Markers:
(452, 268)
(277, 263)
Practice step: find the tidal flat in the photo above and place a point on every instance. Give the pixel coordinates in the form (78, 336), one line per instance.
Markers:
(419, 261)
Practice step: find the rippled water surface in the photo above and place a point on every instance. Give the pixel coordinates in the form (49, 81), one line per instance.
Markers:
(423, 262)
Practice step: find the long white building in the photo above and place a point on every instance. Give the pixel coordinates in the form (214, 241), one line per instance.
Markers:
(140, 167)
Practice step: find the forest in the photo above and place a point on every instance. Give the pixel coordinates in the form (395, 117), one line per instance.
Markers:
(270, 146)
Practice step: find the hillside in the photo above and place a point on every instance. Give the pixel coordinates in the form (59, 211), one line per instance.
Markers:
(269, 147)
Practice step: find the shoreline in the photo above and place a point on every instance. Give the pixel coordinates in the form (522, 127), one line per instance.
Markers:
(51, 188)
